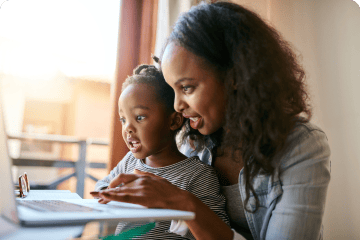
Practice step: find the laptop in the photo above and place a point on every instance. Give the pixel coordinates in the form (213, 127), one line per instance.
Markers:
(21, 212)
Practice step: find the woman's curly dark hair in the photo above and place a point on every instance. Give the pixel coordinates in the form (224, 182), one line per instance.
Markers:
(264, 83)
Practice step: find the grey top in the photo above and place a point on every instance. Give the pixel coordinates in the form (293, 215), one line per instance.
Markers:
(235, 209)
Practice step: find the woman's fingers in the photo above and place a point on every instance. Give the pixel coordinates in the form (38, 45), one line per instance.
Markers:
(146, 190)
(95, 194)
(141, 188)
(103, 201)
(129, 188)
(135, 198)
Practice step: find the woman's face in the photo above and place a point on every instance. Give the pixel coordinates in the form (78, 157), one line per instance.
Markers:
(199, 95)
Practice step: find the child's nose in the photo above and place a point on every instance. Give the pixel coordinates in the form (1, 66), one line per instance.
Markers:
(129, 128)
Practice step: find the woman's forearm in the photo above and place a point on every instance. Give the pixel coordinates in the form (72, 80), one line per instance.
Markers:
(206, 225)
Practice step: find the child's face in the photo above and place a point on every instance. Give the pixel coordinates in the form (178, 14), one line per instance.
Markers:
(145, 122)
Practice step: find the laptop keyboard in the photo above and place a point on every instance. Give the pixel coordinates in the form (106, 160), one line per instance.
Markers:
(55, 206)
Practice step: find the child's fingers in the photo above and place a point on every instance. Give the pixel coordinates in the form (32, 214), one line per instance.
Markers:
(122, 178)
(136, 171)
(139, 172)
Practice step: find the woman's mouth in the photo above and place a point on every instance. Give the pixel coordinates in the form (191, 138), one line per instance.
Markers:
(134, 146)
(195, 122)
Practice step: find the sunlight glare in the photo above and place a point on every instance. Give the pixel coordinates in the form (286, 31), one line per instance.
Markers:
(39, 38)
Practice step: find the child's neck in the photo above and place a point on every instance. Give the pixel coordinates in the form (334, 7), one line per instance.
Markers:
(165, 157)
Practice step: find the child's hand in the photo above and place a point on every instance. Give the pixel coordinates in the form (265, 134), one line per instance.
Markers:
(146, 173)
(148, 190)
(96, 194)
(103, 201)
(116, 182)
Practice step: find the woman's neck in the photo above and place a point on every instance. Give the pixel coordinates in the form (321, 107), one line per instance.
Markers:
(217, 136)
(165, 157)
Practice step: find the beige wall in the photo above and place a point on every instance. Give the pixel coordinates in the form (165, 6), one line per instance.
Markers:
(338, 56)
(77, 108)
(326, 34)
(93, 110)
(87, 115)
(261, 7)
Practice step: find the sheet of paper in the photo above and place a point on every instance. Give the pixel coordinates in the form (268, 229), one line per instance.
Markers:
(51, 195)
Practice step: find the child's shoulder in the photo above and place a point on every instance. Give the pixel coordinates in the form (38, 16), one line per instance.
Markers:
(128, 160)
(196, 163)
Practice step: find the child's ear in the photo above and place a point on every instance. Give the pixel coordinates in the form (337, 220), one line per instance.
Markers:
(176, 120)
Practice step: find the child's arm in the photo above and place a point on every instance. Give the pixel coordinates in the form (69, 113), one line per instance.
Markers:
(204, 184)
(154, 192)
(120, 168)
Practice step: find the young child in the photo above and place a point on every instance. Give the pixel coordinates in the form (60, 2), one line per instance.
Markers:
(149, 127)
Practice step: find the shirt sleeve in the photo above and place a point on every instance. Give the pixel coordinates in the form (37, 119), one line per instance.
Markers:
(120, 168)
(304, 177)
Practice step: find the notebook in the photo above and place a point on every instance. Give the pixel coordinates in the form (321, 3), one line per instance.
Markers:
(21, 214)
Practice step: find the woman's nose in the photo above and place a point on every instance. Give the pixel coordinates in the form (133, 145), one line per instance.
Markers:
(179, 104)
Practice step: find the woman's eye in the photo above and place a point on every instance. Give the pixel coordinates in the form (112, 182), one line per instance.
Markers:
(187, 89)
(122, 120)
(139, 118)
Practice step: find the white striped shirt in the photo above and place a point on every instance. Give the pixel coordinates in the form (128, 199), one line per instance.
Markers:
(190, 174)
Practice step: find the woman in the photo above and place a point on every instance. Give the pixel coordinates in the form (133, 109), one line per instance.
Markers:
(242, 89)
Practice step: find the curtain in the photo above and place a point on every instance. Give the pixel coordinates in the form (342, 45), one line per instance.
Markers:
(144, 27)
(137, 34)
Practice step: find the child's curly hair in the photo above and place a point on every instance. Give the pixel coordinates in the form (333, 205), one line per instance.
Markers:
(150, 75)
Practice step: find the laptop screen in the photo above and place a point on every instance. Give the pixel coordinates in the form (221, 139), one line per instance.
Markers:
(7, 196)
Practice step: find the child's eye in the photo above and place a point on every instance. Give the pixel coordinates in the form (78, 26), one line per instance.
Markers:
(139, 118)
(122, 120)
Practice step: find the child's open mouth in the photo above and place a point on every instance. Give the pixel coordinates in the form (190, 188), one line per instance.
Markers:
(134, 146)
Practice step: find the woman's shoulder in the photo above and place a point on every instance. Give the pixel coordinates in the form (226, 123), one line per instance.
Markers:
(303, 126)
(204, 155)
(306, 141)
(305, 132)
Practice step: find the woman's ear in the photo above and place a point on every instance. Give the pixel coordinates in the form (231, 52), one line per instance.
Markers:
(176, 120)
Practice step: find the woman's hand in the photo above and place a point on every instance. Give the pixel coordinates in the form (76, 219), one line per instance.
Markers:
(153, 191)
(112, 185)
(145, 189)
